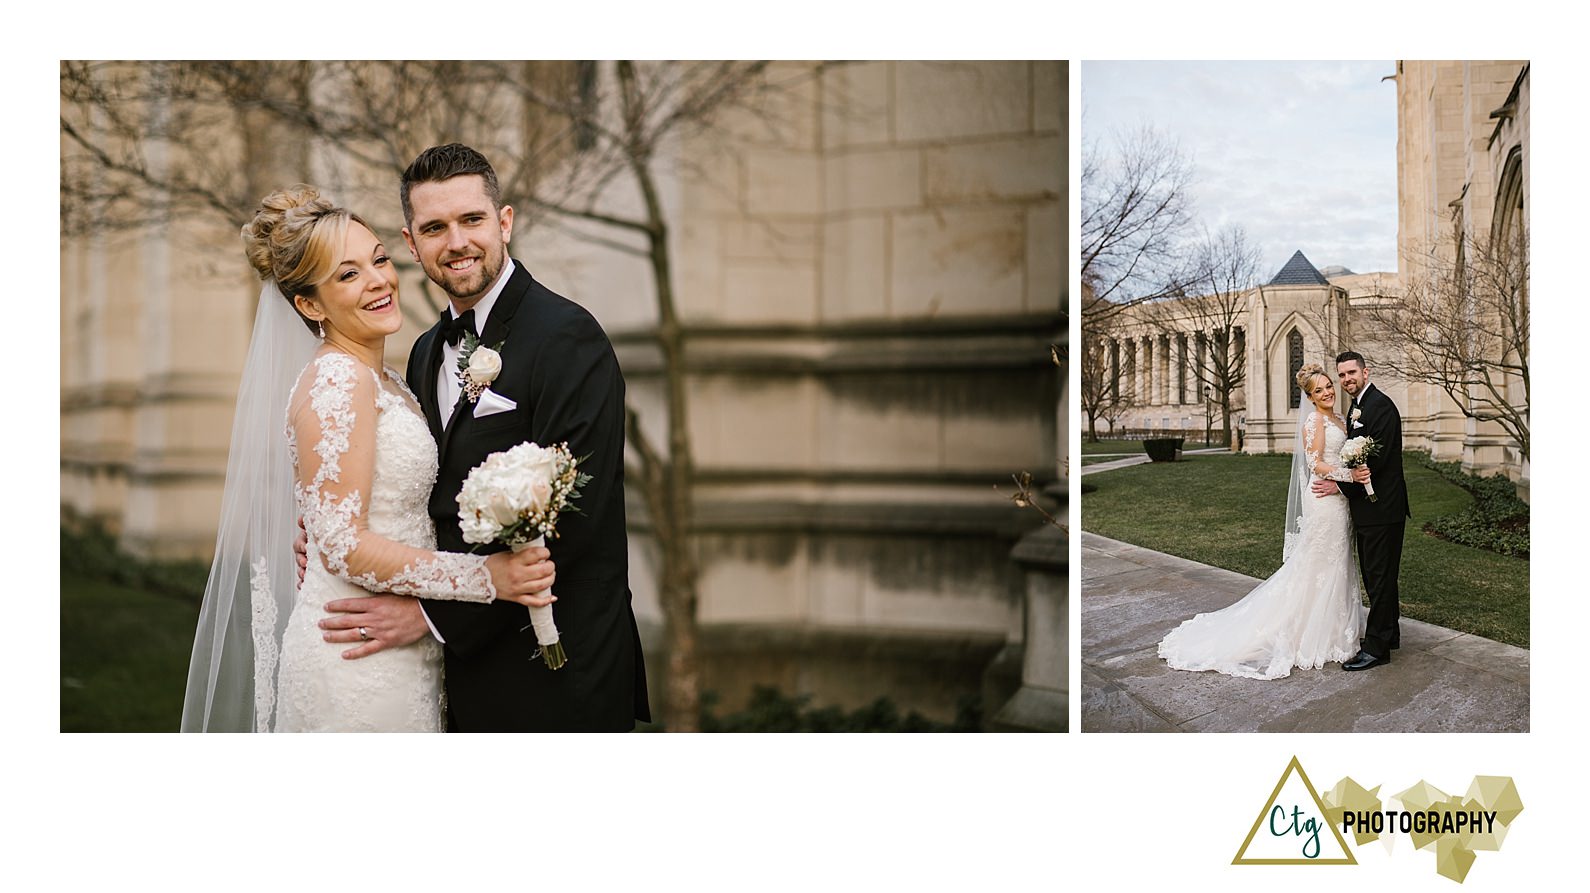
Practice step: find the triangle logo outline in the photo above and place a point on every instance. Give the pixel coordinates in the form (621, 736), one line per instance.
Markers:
(1294, 766)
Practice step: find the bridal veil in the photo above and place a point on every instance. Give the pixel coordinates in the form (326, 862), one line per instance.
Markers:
(254, 577)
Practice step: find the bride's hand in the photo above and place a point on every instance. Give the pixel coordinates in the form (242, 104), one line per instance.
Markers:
(524, 577)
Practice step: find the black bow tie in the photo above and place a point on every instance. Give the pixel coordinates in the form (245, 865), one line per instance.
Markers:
(454, 329)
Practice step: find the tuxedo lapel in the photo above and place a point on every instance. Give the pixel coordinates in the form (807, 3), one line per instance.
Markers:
(461, 408)
(431, 344)
(502, 313)
(1367, 400)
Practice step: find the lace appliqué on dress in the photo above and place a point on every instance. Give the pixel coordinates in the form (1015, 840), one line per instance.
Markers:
(334, 520)
(1317, 456)
(263, 626)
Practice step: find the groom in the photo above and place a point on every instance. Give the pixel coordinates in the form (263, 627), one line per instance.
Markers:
(1378, 525)
(559, 381)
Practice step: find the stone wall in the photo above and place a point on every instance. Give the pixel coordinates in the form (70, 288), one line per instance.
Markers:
(873, 284)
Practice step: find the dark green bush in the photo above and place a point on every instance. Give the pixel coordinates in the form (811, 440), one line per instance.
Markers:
(1497, 520)
(770, 710)
(1163, 449)
(92, 552)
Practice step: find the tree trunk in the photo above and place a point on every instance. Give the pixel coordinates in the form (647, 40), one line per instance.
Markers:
(682, 696)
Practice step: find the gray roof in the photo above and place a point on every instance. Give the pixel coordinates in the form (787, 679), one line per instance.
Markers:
(1298, 271)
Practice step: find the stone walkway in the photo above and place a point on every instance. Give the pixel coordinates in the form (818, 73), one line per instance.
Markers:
(1138, 459)
(1440, 680)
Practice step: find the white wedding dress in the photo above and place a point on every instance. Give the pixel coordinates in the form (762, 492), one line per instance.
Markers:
(1308, 613)
(365, 463)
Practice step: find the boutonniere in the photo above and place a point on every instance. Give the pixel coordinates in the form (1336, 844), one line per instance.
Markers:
(478, 366)
(1356, 413)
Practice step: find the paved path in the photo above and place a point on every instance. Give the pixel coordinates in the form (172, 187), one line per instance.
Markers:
(1137, 459)
(1440, 680)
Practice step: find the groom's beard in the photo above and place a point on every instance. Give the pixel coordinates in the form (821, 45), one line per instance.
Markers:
(473, 286)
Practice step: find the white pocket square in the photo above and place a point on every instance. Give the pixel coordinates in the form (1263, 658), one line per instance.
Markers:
(491, 403)
(1355, 424)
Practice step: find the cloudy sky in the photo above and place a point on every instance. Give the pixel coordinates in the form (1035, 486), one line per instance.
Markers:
(1302, 154)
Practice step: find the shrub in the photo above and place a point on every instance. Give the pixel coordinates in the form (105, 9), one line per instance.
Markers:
(92, 552)
(770, 710)
(1163, 449)
(1496, 520)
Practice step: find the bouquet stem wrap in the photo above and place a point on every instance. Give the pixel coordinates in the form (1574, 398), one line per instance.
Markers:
(541, 619)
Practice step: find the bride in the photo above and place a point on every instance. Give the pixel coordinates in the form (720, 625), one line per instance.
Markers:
(1309, 612)
(356, 462)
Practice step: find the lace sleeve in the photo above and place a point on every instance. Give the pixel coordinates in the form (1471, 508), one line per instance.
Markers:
(1314, 443)
(333, 428)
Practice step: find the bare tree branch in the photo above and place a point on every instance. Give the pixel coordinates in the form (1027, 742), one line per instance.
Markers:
(1135, 222)
(1463, 326)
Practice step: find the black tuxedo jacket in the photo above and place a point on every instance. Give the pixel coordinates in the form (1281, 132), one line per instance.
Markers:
(559, 367)
(1380, 420)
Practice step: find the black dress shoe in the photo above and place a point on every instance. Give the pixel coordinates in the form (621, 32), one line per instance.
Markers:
(1365, 660)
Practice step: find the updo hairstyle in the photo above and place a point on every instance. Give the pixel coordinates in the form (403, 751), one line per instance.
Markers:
(1305, 377)
(296, 240)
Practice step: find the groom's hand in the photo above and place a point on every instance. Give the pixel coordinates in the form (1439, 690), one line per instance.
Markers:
(389, 621)
(1325, 488)
(301, 551)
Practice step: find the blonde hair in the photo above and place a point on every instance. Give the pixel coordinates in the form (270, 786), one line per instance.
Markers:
(296, 239)
(1305, 377)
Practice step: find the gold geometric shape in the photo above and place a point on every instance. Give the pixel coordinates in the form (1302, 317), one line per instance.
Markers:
(1269, 806)
(1499, 793)
(1424, 797)
(1493, 793)
(1350, 796)
(1452, 859)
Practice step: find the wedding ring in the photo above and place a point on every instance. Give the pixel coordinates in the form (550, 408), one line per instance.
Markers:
(364, 634)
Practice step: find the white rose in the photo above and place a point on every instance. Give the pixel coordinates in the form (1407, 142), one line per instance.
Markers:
(484, 364)
(477, 530)
(501, 507)
(519, 488)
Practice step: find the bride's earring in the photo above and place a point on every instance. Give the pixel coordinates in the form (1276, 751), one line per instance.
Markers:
(322, 326)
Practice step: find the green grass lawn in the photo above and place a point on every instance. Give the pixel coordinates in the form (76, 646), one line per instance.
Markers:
(124, 656)
(1226, 510)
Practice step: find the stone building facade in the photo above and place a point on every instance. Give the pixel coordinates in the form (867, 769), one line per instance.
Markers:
(871, 289)
(1463, 153)
(1462, 167)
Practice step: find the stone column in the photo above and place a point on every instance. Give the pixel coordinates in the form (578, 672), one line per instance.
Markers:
(1150, 379)
(1040, 705)
(1172, 396)
(1139, 396)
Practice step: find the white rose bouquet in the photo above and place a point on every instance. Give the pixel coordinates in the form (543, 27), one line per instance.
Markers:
(515, 498)
(1356, 452)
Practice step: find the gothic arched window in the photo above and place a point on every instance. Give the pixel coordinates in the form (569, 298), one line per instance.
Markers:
(1294, 362)
(1508, 217)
